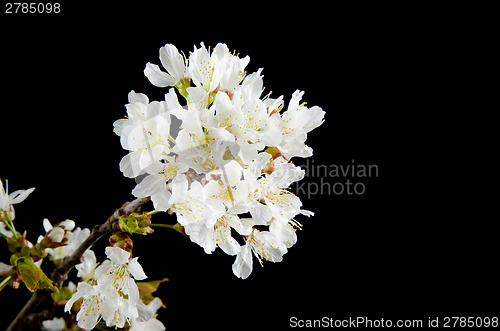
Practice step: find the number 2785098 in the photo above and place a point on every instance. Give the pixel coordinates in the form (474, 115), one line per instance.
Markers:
(32, 8)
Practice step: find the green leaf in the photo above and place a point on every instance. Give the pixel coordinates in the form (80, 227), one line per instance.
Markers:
(33, 277)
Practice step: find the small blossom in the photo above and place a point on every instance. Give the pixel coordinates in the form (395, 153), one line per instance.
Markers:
(63, 233)
(55, 324)
(146, 319)
(87, 267)
(8, 200)
(92, 305)
(172, 61)
(150, 325)
(264, 245)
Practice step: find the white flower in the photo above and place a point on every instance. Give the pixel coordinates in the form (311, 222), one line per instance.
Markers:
(202, 68)
(121, 311)
(117, 270)
(146, 319)
(250, 89)
(229, 191)
(8, 200)
(218, 70)
(164, 183)
(264, 245)
(210, 234)
(121, 259)
(92, 305)
(55, 324)
(87, 267)
(114, 295)
(193, 209)
(232, 69)
(171, 60)
(145, 134)
(150, 325)
(63, 230)
(251, 125)
(295, 123)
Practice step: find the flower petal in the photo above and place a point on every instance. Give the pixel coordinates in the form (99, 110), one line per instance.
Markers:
(129, 165)
(117, 255)
(242, 266)
(46, 225)
(230, 246)
(161, 200)
(82, 290)
(136, 269)
(19, 195)
(172, 60)
(151, 184)
(158, 77)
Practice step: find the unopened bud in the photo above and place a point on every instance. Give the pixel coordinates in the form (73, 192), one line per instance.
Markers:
(121, 240)
(135, 223)
(56, 234)
(15, 245)
(67, 225)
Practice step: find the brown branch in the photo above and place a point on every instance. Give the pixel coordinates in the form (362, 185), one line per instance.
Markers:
(61, 273)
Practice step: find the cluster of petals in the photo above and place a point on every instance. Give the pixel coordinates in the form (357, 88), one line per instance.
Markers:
(221, 162)
(111, 294)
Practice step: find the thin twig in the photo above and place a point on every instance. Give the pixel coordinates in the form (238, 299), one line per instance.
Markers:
(61, 273)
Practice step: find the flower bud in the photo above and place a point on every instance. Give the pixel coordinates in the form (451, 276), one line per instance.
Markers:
(67, 225)
(56, 234)
(121, 240)
(135, 223)
(15, 245)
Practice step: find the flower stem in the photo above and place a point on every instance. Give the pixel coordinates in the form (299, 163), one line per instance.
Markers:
(11, 226)
(177, 227)
(153, 212)
(170, 226)
(4, 282)
(14, 232)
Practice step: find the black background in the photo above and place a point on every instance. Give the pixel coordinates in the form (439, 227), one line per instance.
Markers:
(417, 244)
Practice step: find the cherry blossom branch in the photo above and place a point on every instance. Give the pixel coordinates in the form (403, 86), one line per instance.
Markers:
(61, 273)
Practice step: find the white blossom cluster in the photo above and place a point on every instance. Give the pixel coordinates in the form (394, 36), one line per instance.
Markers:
(109, 292)
(220, 162)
